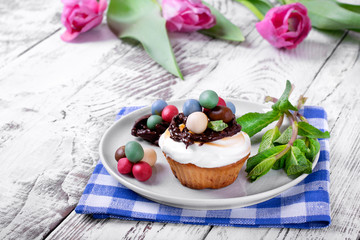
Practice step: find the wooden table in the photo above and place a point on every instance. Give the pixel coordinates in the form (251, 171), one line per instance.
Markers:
(57, 99)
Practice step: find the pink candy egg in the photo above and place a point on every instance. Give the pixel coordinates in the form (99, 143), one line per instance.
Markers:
(124, 166)
(221, 102)
(169, 112)
(142, 171)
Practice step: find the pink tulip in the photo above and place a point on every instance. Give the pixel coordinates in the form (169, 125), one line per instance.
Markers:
(285, 26)
(80, 16)
(187, 15)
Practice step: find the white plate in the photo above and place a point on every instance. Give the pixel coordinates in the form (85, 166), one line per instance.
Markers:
(164, 188)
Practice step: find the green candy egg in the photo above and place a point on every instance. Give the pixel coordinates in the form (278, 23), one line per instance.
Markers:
(208, 99)
(152, 121)
(134, 151)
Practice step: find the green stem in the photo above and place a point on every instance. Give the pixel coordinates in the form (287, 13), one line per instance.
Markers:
(283, 152)
(252, 8)
(294, 128)
(301, 103)
(279, 123)
(293, 137)
(270, 99)
(302, 118)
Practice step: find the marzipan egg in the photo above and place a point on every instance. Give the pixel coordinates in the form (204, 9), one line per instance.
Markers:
(158, 106)
(134, 151)
(231, 106)
(221, 113)
(208, 99)
(120, 153)
(197, 122)
(149, 156)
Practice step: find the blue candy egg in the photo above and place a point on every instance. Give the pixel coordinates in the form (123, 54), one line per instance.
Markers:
(157, 107)
(190, 106)
(231, 106)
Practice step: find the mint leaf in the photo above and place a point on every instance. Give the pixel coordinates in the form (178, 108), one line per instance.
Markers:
(254, 122)
(223, 29)
(279, 164)
(284, 137)
(262, 168)
(307, 130)
(217, 126)
(268, 138)
(258, 158)
(314, 148)
(296, 163)
(283, 103)
(300, 143)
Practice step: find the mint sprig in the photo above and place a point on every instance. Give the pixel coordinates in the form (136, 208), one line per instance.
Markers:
(282, 150)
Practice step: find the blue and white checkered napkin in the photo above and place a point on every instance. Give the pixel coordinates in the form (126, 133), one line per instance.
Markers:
(305, 205)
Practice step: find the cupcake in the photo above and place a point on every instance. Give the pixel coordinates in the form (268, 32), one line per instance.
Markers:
(205, 149)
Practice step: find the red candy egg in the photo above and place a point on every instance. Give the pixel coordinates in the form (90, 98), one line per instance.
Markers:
(124, 166)
(142, 171)
(169, 112)
(221, 102)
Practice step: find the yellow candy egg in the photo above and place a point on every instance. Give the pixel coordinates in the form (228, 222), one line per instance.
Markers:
(197, 122)
(149, 156)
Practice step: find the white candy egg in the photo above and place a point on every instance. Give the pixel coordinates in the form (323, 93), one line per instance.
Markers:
(197, 122)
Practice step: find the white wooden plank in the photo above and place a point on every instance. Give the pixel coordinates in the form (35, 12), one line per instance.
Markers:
(85, 227)
(24, 24)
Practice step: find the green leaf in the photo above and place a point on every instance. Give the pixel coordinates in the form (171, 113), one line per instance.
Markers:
(258, 158)
(325, 14)
(296, 163)
(300, 143)
(351, 7)
(314, 148)
(279, 164)
(254, 122)
(258, 7)
(307, 130)
(284, 137)
(223, 29)
(283, 103)
(217, 126)
(268, 138)
(141, 20)
(262, 168)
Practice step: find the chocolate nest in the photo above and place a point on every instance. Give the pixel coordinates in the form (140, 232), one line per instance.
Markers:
(141, 130)
(208, 136)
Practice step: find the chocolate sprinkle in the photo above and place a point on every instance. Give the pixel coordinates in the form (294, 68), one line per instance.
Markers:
(208, 136)
(141, 130)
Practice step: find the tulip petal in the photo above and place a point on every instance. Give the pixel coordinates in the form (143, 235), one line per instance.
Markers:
(285, 26)
(187, 15)
(68, 36)
(80, 16)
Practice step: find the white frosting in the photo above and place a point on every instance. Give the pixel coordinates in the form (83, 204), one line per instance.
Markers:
(218, 153)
